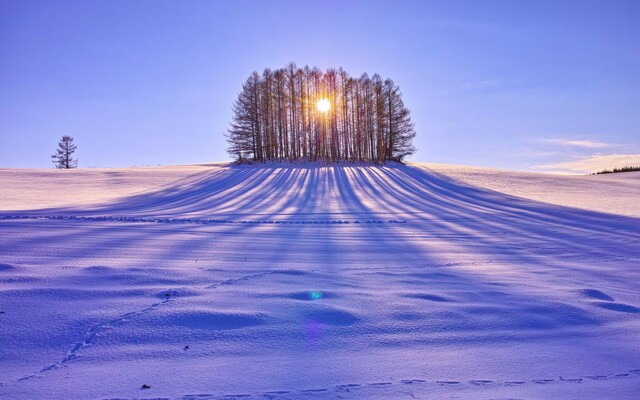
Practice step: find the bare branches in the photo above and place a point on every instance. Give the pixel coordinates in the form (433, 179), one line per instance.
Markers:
(304, 114)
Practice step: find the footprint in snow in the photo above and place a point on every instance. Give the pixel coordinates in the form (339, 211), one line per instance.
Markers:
(410, 381)
(574, 380)
(347, 387)
(479, 382)
(314, 390)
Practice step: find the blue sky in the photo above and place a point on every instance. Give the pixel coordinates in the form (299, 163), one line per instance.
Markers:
(519, 85)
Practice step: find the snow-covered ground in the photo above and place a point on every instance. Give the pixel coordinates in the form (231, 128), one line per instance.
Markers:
(422, 281)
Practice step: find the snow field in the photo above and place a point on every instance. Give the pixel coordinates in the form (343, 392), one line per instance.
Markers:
(321, 282)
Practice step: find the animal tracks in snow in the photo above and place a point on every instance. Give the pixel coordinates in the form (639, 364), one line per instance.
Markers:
(241, 279)
(167, 296)
(207, 221)
(91, 334)
(362, 389)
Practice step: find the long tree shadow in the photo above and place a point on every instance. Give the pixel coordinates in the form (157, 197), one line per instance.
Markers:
(475, 209)
(348, 193)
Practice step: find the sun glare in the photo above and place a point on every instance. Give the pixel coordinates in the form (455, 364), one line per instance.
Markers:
(323, 105)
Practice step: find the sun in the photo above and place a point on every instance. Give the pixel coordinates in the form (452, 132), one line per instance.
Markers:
(323, 105)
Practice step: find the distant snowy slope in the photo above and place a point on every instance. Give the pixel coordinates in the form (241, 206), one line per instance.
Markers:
(24, 189)
(39, 188)
(610, 193)
(353, 282)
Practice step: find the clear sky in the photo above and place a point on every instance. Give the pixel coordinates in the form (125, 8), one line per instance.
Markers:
(507, 84)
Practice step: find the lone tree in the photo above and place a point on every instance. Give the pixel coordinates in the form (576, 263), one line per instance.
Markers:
(306, 114)
(62, 159)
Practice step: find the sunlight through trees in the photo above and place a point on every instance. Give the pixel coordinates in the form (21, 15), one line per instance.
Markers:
(304, 114)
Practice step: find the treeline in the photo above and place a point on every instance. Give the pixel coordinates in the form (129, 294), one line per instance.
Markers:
(616, 170)
(306, 114)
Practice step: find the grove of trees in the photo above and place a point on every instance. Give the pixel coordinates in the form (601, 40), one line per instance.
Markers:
(306, 114)
(63, 158)
(617, 170)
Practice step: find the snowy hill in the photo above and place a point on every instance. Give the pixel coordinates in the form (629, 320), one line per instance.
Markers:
(417, 281)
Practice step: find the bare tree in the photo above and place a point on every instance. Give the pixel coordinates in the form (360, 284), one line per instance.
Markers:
(63, 159)
(276, 117)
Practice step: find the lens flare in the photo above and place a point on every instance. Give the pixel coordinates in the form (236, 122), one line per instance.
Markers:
(315, 295)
